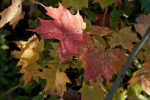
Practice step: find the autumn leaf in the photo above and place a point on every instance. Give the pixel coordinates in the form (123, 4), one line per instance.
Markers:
(124, 37)
(12, 14)
(29, 51)
(142, 77)
(65, 27)
(103, 62)
(75, 4)
(30, 72)
(97, 30)
(142, 24)
(28, 55)
(91, 92)
(55, 80)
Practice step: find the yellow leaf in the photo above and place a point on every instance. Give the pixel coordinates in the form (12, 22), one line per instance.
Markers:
(28, 55)
(29, 51)
(56, 80)
(30, 71)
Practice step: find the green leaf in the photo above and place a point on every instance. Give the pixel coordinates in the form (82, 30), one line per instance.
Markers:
(31, 85)
(114, 18)
(88, 25)
(75, 4)
(107, 3)
(51, 2)
(22, 98)
(38, 97)
(90, 15)
(120, 94)
(134, 93)
(91, 92)
(135, 88)
(145, 5)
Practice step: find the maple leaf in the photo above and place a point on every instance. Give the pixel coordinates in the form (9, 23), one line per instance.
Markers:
(65, 27)
(30, 72)
(142, 24)
(29, 50)
(91, 92)
(55, 80)
(124, 37)
(103, 62)
(75, 4)
(28, 55)
(142, 77)
(12, 14)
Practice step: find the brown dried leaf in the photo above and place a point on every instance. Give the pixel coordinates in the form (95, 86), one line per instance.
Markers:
(12, 14)
(143, 23)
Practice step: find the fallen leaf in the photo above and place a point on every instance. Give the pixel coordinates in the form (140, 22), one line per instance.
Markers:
(12, 14)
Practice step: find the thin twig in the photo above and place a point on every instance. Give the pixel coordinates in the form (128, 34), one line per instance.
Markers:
(104, 17)
(10, 90)
(126, 66)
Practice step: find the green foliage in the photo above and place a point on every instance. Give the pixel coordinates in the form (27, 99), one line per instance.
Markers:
(145, 6)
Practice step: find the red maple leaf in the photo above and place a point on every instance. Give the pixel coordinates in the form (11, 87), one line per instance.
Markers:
(101, 61)
(65, 27)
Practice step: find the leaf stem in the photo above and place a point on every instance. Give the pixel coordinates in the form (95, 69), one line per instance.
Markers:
(126, 66)
(104, 17)
(10, 90)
